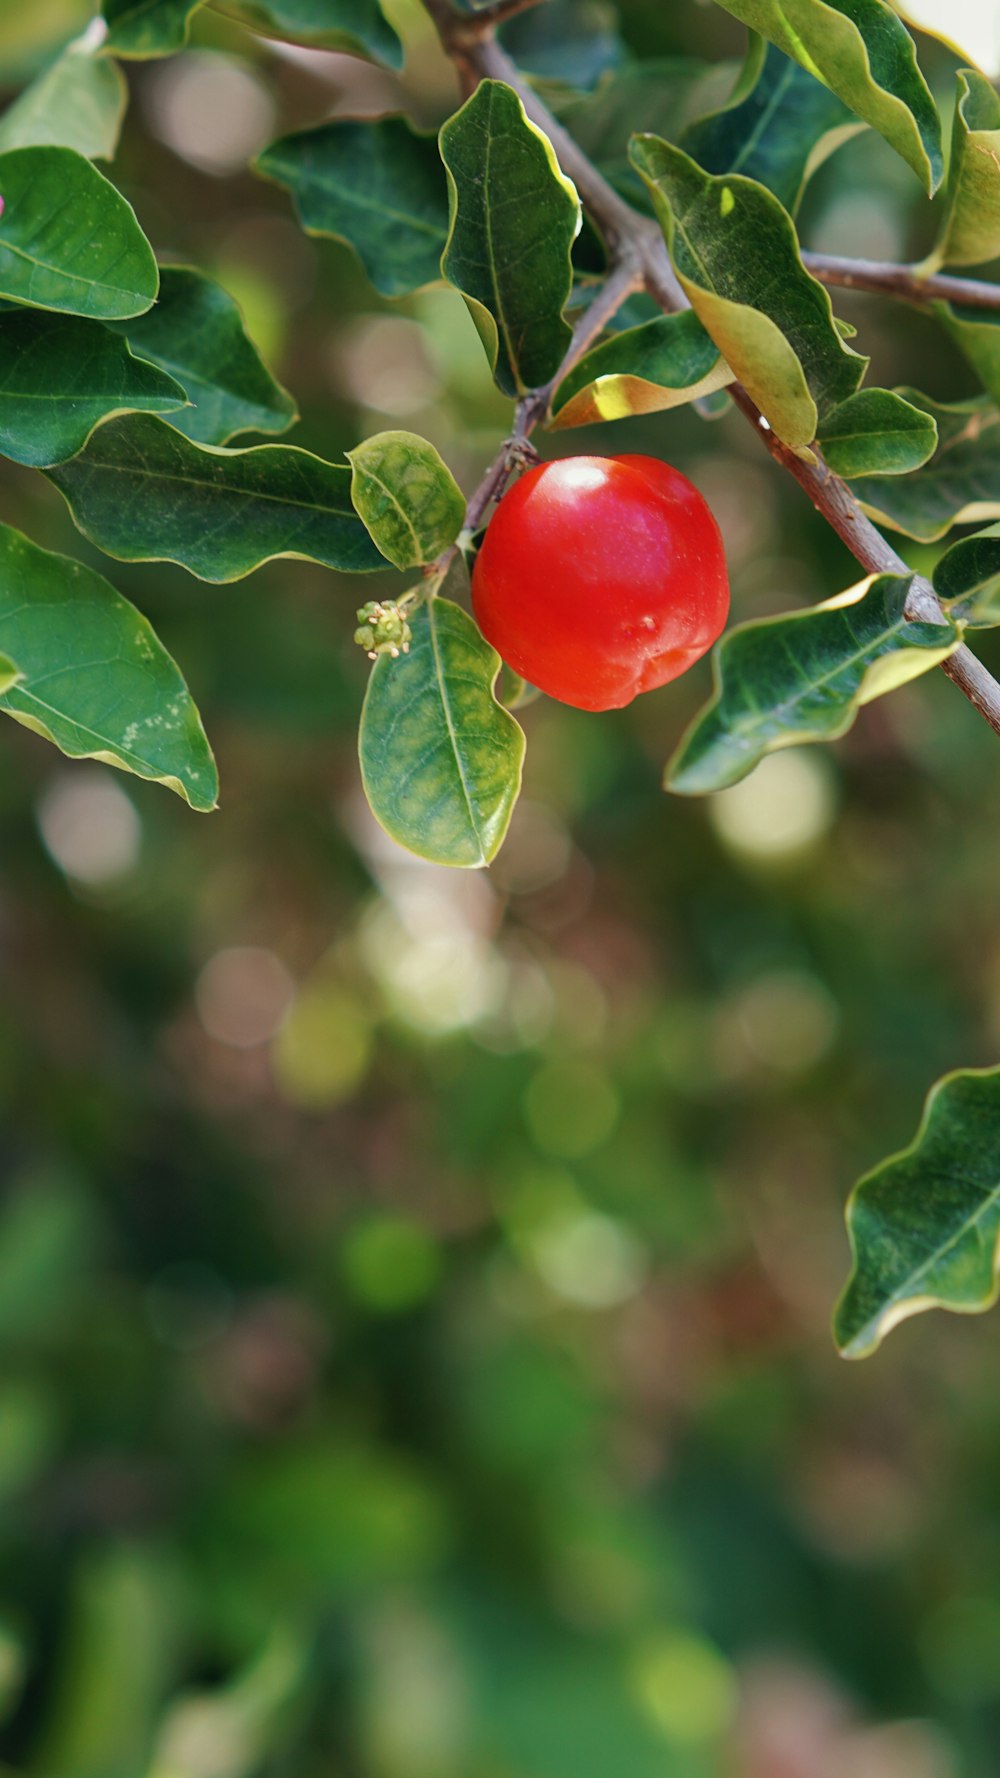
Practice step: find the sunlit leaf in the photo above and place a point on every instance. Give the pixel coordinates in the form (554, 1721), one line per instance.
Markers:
(440, 758)
(407, 496)
(658, 365)
(970, 233)
(355, 27)
(877, 432)
(94, 678)
(959, 485)
(61, 376)
(142, 29)
(787, 680)
(78, 101)
(924, 1225)
(143, 492)
(514, 217)
(68, 239)
(378, 185)
(736, 253)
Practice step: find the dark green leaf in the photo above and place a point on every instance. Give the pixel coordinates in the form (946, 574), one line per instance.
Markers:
(379, 186)
(141, 29)
(787, 680)
(736, 253)
(866, 56)
(967, 578)
(95, 680)
(61, 376)
(961, 482)
(355, 27)
(77, 102)
(657, 97)
(924, 1225)
(575, 41)
(514, 217)
(657, 365)
(196, 333)
(408, 498)
(970, 233)
(877, 432)
(68, 239)
(778, 128)
(440, 758)
(144, 493)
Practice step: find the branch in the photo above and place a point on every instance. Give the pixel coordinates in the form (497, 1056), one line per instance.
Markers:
(907, 282)
(635, 241)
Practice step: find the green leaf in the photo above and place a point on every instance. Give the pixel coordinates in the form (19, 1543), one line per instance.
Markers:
(514, 217)
(658, 365)
(78, 101)
(95, 680)
(967, 578)
(788, 680)
(9, 674)
(877, 432)
(378, 185)
(736, 253)
(61, 376)
(976, 333)
(144, 493)
(141, 29)
(778, 128)
(658, 97)
(355, 27)
(924, 1225)
(195, 333)
(440, 758)
(68, 239)
(575, 41)
(866, 56)
(970, 232)
(407, 497)
(959, 485)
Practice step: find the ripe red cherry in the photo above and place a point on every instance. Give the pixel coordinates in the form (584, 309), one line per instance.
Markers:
(601, 577)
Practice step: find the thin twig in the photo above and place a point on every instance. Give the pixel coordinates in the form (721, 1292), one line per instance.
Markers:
(906, 282)
(636, 240)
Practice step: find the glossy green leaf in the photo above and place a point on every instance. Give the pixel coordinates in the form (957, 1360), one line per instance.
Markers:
(355, 27)
(787, 680)
(967, 578)
(95, 680)
(736, 253)
(778, 128)
(378, 185)
(866, 56)
(659, 97)
(61, 376)
(514, 217)
(195, 332)
(970, 233)
(78, 101)
(877, 432)
(959, 485)
(144, 493)
(68, 239)
(657, 365)
(141, 29)
(440, 758)
(407, 496)
(924, 1226)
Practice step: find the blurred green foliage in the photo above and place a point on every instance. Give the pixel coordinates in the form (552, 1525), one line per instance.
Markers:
(414, 1286)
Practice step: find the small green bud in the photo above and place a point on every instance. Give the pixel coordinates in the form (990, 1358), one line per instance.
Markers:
(382, 629)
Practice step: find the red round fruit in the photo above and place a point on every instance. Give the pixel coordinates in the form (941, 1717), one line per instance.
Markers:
(601, 577)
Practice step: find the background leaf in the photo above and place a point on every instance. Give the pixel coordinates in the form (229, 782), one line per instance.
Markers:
(575, 41)
(736, 253)
(195, 332)
(379, 186)
(967, 577)
(61, 376)
(95, 680)
(141, 29)
(68, 239)
(514, 217)
(143, 492)
(877, 432)
(78, 101)
(406, 495)
(958, 485)
(440, 758)
(778, 128)
(976, 333)
(641, 371)
(924, 1225)
(786, 680)
(355, 27)
(970, 233)
(865, 55)
(660, 97)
